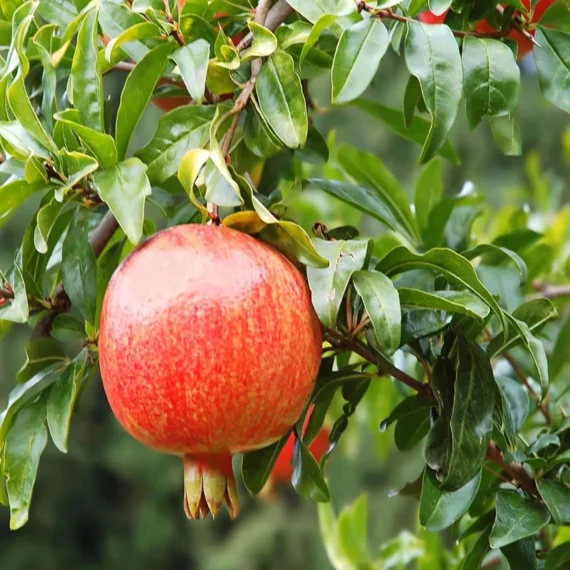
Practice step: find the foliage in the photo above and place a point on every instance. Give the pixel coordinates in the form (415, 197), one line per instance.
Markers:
(450, 313)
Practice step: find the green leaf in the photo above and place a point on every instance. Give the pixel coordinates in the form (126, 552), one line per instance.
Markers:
(177, 133)
(281, 99)
(76, 166)
(412, 427)
(86, 76)
(16, 310)
(440, 509)
(62, 400)
(553, 66)
(357, 57)
(67, 329)
(40, 353)
(257, 135)
(46, 219)
(257, 465)
(192, 61)
(307, 478)
(313, 10)
(113, 52)
(476, 555)
(521, 554)
(490, 248)
(324, 22)
(557, 557)
(20, 143)
(412, 97)
(101, 145)
(24, 445)
(329, 284)
(359, 197)
(556, 495)
(136, 94)
(124, 189)
(455, 268)
(417, 132)
(190, 167)
(79, 271)
(517, 517)
(295, 33)
(382, 304)
(14, 194)
(507, 134)
(367, 169)
(515, 404)
(264, 42)
(352, 531)
(429, 189)
(492, 79)
(432, 55)
(459, 302)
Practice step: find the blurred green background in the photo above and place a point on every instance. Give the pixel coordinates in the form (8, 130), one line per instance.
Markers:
(113, 504)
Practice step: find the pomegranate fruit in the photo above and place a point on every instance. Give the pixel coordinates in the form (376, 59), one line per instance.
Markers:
(209, 346)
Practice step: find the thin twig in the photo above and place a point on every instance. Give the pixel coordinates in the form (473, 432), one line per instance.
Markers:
(549, 291)
(519, 372)
(278, 13)
(516, 472)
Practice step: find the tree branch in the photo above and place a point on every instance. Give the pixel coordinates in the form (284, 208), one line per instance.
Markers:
(277, 14)
(515, 472)
(549, 291)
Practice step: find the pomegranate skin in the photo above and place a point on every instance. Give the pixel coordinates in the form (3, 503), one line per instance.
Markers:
(208, 343)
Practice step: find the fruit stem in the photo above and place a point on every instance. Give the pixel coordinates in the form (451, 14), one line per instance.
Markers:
(208, 483)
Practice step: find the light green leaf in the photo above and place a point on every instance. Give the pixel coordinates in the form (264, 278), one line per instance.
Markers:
(313, 9)
(264, 42)
(46, 218)
(14, 194)
(136, 94)
(324, 21)
(20, 144)
(178, 132)
(124, 189)
(113, 52)
(357, 57)
(490, 248)
(507, 134)
(432, 55)
(190, 167)
(76, 166)
(281, 99)
(429, 189)
(353, 532)
(329, 284)
(516, 518)
(382, 304)
(192, 61)
(16, 310)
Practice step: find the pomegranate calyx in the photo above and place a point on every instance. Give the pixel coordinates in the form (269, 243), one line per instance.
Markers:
(208, 483)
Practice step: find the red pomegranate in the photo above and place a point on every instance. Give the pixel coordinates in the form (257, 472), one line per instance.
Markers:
(209, 346)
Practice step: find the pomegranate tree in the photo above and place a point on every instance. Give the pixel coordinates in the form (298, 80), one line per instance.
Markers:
(209, 347)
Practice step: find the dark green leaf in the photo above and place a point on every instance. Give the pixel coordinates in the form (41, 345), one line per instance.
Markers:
(281, 99)
(307, 477)
(382, 304)
(492, 79)
(367, 169)
(516, 406)
(432, 55)
(521, 554)
(62, 400)
(552, 60)
(137, 93)
(476, 555)
(412, 427)
(79, 271)
(192, 61)
(357, 57)
(460, 302)
(417, 132)
(67, 328)
(557, 557)
(429, 189)
(257, 465)
(556, 495)
(24, 445)
(517, 517)
(40, 353)
(329, 284)
(440, 509)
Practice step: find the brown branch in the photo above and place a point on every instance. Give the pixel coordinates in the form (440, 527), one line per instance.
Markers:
(277, 14)
(60, 301)
(549, 291)
(519, 372)
(515, 472)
